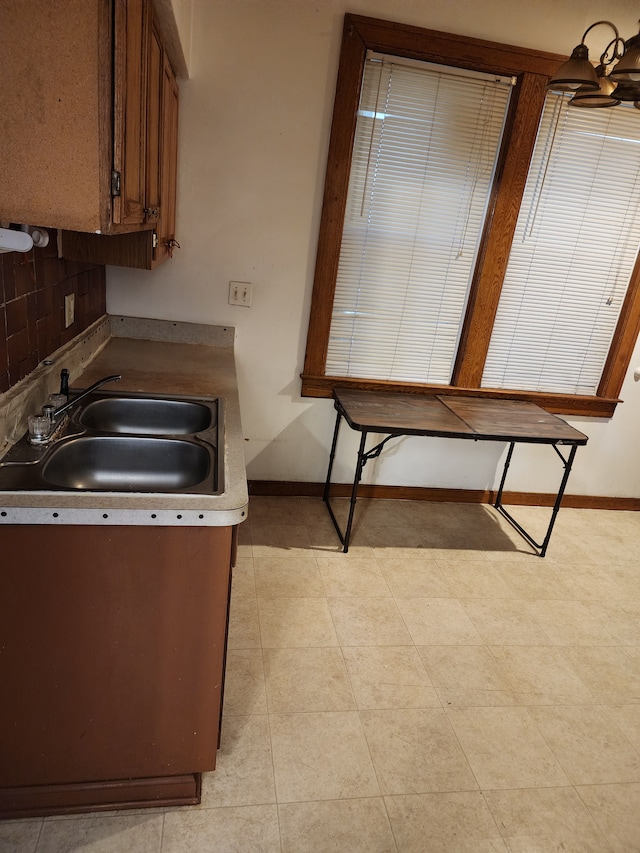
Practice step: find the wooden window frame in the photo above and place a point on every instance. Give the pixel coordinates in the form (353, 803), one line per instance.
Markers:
(531, 70)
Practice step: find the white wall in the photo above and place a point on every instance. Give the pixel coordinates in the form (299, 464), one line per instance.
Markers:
(254, 126)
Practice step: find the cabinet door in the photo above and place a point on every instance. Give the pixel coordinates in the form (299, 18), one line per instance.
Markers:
(168, 164)
(111, 668)
(154, 126)
(131, 25)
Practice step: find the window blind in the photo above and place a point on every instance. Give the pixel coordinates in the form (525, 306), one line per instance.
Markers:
(426, 144)
(574, 250)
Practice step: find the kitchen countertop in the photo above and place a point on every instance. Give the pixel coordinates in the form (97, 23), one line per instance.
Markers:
(173, 367)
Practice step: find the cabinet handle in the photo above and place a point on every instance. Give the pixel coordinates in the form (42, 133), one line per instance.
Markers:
(151, 211)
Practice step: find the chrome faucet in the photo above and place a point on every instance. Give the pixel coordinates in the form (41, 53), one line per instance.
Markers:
(71, 403)
(55, 419)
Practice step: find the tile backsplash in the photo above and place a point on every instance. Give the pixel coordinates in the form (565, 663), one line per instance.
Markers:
(32, 291)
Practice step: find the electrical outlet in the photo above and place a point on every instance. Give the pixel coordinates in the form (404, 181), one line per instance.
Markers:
(240, 293)
(69, 309)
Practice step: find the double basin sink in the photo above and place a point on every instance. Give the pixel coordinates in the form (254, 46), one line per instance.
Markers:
(125, 443)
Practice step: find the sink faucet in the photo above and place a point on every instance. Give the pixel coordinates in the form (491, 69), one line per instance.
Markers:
(42, 435)
(66, 406)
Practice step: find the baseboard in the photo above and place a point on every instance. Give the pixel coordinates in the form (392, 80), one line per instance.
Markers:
(417, 493)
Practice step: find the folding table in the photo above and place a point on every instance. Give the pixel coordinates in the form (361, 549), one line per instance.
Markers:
(450, 416)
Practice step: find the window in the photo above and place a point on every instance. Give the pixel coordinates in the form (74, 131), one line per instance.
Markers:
(573, 252)
(425, 151)
(468, 273)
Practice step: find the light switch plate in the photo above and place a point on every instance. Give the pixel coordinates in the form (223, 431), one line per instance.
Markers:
(69, 309)
(240, 293)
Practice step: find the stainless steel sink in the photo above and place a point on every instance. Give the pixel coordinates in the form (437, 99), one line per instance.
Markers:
(127, 464)
(146, 416)
(126, 443)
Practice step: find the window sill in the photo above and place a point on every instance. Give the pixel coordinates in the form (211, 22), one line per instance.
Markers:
(559, 404)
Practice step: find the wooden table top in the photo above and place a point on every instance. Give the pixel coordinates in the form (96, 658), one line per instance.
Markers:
(453, 416)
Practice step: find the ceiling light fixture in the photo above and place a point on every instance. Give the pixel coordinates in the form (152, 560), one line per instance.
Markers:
(604, 86)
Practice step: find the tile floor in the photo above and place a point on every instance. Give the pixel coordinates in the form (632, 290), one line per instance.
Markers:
(438, 688)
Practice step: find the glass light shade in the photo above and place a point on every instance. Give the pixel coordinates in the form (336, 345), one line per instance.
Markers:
(628, 68)
(604, 96)
(627, 91)
(575, 72)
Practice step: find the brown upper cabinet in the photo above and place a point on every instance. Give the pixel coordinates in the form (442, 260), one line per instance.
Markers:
(91, 145)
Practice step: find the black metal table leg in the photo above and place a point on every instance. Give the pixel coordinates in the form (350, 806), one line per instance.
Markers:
(541, 547)
(332, 456)
(346, 536)
(567, 470)
(354, 490)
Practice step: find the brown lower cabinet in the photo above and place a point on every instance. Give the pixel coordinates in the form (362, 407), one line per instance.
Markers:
(112, 655)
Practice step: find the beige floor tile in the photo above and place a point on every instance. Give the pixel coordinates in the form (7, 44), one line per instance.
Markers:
(460, 547)
(475, 579)
(374, 513)
(19, 836)
(244, 553)
(244, 628)
(610, 549)
(574, 623)
(627, 718)
(633, 653)
(244, 767)
(505, 622)
(295, 622)
(541, 675)
(266, 556)
(361, 579)
(416, 751)
(246, 828)
(631, 606)
(271, 509)
(243, 579)
(588, 583)
(397, 541)
(244, 535)
(321, 757)
(610, 672)
(313, 510)
(519, 552)
(432, 514)
(297, 578)
(323, 534)
(299, 680)
(591, 748)
(624, 622)
(466, 676)
(534, 580)
(244, 691)
(437, 621)
(615, 808)
(368, 622)
(389, 677)
(267, 541)
(444, 823)
(139, 833)
(541, 819)
(570, 549)
(417, 577)
(357, 826)
(505, 748)
(625, 578)
(327, 548)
